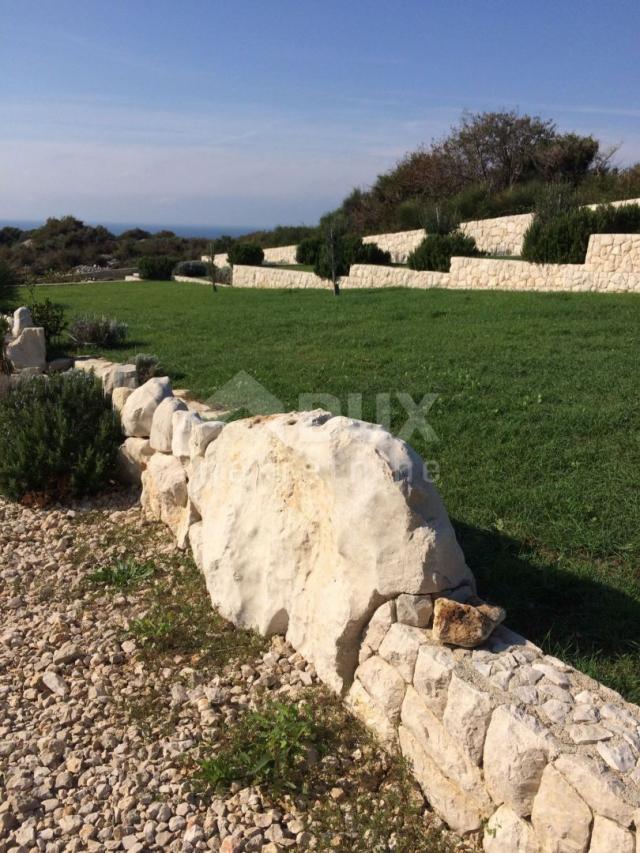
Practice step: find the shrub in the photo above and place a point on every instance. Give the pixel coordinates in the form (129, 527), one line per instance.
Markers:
(49, 315)
(8, 286)
(369, 253)
(59, 436)
(245, 254)
(156, 267)
(436, 250)
(147, 366)
(564, 238)
(98, 331)
(197, 269)
(308, 250)
(325, 265)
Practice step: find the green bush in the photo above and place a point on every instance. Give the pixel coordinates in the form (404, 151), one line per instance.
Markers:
(147, 366)
(198, 269)
(564, 238)
(49, 315)
(8, 286)
(59, 436)
(436, 250)
(369, 253)
(326, 265)
(308, 250)
(98, 331)
(246, 254)
(156, 267)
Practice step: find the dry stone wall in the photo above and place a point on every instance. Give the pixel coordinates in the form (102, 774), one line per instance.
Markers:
(508, 744)
(400, 244)
(272, 277)
(502, 235)
(367, 275)
(614, 253)
(489, 274)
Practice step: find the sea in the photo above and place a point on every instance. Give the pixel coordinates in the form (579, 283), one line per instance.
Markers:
(208, 231)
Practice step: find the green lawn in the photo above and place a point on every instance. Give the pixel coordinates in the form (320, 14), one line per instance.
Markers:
(537, 416)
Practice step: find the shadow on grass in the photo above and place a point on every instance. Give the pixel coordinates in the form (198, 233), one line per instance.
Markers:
(593, 626)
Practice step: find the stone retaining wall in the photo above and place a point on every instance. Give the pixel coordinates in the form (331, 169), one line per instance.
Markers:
(614, 253)
(273, 278)
(488, 274)
(502, 235)
(507, 743)
(367, 275)
(400, 244)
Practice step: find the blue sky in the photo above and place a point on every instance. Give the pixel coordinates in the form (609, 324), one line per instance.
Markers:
(255, 112)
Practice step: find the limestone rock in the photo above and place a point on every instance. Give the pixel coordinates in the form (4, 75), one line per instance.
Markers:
(133, 457)
(400, 648)
(517, 749)
(560, 817)
(384, 684)
(119, 397)
(432, 675)
(608, 836)
(182, 424)
(297, 505)
(92, 365)
(195, 543)
(457, 809)
(119, 376)
(202, 434)
(188, 518)
(599, 788)
(369, 712)
(415, 610)
(164, 490)
(28, 350)
(444, 751)
(467, 625)
(137, 412)
(466, 716)
(162, 423)
(21, 320)
(619, 756)
(507, 833)
(379, 624)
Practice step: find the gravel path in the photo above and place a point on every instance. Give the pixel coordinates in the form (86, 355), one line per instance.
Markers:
(99, 736)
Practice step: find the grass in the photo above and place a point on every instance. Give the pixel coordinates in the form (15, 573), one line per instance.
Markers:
(122, 574)
(537, 421)
(179, 620)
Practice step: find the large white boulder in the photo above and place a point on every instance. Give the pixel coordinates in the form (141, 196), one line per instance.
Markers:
(310, 522)
(183, 424)
(161, 425)
(21, 320)
(164, 491)
(137, 413)
(133, 457)
(28, 350)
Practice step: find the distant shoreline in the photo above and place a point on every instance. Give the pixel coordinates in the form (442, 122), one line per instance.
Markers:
(206, 231)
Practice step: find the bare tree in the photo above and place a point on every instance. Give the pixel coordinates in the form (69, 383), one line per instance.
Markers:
(212, 265)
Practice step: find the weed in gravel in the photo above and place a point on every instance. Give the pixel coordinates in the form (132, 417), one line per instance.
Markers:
(300, 752)
(122, 574)
(181, 620)
(267, 746)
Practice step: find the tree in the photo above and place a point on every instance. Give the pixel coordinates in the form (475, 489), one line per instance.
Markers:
(497, 149)
(333, 256)
(212, 265)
